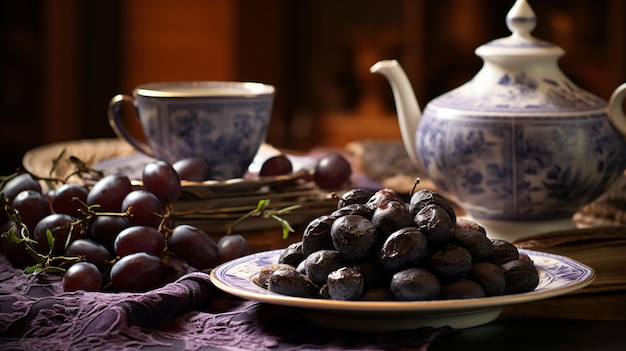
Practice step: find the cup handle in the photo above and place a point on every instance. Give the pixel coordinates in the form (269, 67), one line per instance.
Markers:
(118, 125)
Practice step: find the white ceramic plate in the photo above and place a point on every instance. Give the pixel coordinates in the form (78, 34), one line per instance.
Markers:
(558, 275)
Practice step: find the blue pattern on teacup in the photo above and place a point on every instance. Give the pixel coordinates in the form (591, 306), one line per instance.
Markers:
(228, 131)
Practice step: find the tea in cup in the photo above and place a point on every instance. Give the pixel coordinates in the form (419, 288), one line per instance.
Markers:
(223, 122)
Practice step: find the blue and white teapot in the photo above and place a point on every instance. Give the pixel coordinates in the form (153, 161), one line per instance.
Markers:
(519, 141)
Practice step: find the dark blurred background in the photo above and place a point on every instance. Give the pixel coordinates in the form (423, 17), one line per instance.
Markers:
(62, 61)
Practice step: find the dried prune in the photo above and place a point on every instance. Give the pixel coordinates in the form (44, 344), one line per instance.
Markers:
(503, 251)
(374, 275)
(266, 272)
(354, 196)
(425, 197)
(292, 255)
(520, 275)
(414, 284)
(345, 284)
(316, 235)
(461, 288)
(288, 281)
(402, 248)
(475, 242)
(380, 196)
(450, 261)
(490, 276)
(353, 236)
(390, 216)
(320, 263)
(434, 221)
(466, 223)
(353, 209)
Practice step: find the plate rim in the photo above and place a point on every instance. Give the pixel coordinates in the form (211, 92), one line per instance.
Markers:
(586, 277)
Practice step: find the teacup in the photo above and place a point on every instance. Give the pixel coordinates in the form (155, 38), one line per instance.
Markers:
(223, 122)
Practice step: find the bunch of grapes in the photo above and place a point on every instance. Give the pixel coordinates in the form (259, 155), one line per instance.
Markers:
(116, 235)
(112, 235)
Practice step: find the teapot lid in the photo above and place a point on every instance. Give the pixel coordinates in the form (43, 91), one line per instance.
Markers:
(520, 75)
(521, 21)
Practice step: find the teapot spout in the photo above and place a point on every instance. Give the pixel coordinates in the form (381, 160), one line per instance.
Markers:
(616, 110)
(407, 107)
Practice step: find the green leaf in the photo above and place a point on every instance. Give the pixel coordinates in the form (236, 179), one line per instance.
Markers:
(287, 228)
(32, 269)
(55, 269)
(50, 238)
(39, 258)
(262, 205)
(10, 234)
(68, 240)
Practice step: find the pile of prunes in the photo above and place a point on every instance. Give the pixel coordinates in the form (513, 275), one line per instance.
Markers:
(378, 247)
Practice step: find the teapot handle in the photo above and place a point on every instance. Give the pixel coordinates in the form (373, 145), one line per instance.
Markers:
(616, 109)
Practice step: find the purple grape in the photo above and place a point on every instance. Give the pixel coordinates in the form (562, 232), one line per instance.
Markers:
(195, 169)
(104, 229)
(232, 246)
(32, 206)
(161, 179)
(61, 226)
(136, 272)
(91, 250)
(146, 208)
(275, 166)
(63, 199)
(139, 238)
(82, 276)
(15, 252)
(194, 246)
(332, 171)
(109, 192)
(14, 186)
(18, 184)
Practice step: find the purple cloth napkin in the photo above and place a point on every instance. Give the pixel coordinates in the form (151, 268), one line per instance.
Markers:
(187, 314)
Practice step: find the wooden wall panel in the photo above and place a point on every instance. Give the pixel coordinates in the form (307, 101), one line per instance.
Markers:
(61, 72)
(166, 40)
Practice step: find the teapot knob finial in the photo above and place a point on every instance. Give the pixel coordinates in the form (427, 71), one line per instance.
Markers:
(521, 19)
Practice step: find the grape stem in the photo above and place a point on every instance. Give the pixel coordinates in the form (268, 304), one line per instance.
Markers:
(262, 210)
(49, 262)
(415, 183)
(163, 223)
(82, 170)
(81, 167)
(44, 263)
